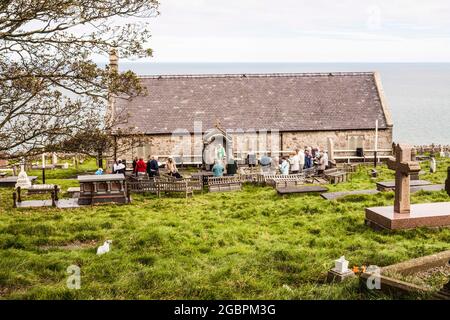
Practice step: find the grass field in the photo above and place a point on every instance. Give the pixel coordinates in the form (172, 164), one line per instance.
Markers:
(252, 244)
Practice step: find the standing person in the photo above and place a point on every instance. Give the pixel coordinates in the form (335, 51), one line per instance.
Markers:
(251, 158)
(284, 166)
(153, 167)
(141, 167)
(148, 165)
(218, 169)
(120, 168)
(232, 166)
(308, 159)
(172, 169)
(294, 163)
(321, 164)
(265, 163)
(275, 165)
(114, 170)
(135, 161)
(301, 159)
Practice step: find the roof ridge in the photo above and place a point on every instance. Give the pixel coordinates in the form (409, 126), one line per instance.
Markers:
(257, 75)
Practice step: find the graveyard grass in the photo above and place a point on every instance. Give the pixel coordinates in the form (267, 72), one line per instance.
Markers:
(252, 244)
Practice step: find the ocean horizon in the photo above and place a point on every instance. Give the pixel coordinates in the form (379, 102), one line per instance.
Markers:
(418, 94)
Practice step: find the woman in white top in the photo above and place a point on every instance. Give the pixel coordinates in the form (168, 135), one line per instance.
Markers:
(294, 162)
(301, 159)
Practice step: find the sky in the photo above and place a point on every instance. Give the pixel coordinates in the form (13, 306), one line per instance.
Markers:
(301, 31)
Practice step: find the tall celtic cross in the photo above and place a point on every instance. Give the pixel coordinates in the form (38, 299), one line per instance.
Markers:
(403, 167)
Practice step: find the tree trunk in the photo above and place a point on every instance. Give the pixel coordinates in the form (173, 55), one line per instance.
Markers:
(100, 159)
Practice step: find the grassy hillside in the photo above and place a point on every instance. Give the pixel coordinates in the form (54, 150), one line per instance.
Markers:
(252, 244)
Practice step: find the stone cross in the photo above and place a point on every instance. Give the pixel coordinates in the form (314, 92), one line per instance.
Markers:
(403, 167)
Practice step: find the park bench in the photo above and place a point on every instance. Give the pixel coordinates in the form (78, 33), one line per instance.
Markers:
(181, 186)
(335, 175)
(42, 189)
(141, 185)
(37, 189)
(229, 183)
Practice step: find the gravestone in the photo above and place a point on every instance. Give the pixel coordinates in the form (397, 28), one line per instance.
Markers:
(432, 165)
(403, 215)
(330, 146)
(22, 180)
(447, 182)
(403, 167)
(414, 175)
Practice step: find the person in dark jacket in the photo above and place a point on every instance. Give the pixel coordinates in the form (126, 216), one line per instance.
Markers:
(135, 161)
(153, 167)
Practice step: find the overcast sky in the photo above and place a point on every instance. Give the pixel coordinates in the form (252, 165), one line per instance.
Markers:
(302, 31)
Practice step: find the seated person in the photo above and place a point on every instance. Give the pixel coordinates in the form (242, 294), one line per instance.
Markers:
(266, 163)
(120, 168)
(172, 169)
(284, 166)
(218, 169)
(99, 171)
(232, 167)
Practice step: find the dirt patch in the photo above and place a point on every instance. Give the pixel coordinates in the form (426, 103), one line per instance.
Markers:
(76, 245)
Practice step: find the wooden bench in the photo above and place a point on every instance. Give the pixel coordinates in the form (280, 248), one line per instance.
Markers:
(41, 189)
(173, 187)
(229, 183)
(335, 175)
(142, 186)
(278, 179)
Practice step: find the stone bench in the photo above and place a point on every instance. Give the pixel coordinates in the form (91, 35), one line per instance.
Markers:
(73, 192)
(174, 187)
(219, 184)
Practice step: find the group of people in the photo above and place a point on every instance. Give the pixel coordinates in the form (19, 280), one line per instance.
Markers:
(150, 168)
(295, 163)
(302, 159)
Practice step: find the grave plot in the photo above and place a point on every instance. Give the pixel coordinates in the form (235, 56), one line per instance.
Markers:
(426, 276)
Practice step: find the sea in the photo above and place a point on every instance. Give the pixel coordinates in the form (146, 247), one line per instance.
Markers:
(418, 94)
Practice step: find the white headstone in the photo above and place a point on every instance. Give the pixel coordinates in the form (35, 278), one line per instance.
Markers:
(341, 265)
(22, 179)
(54, 158)
(433, 165)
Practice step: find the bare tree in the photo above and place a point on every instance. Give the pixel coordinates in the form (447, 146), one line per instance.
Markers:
(51, 90)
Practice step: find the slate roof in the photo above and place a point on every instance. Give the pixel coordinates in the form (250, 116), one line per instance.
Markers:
(286, 102)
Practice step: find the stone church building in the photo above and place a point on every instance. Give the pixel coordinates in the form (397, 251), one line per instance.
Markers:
(273, 113)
